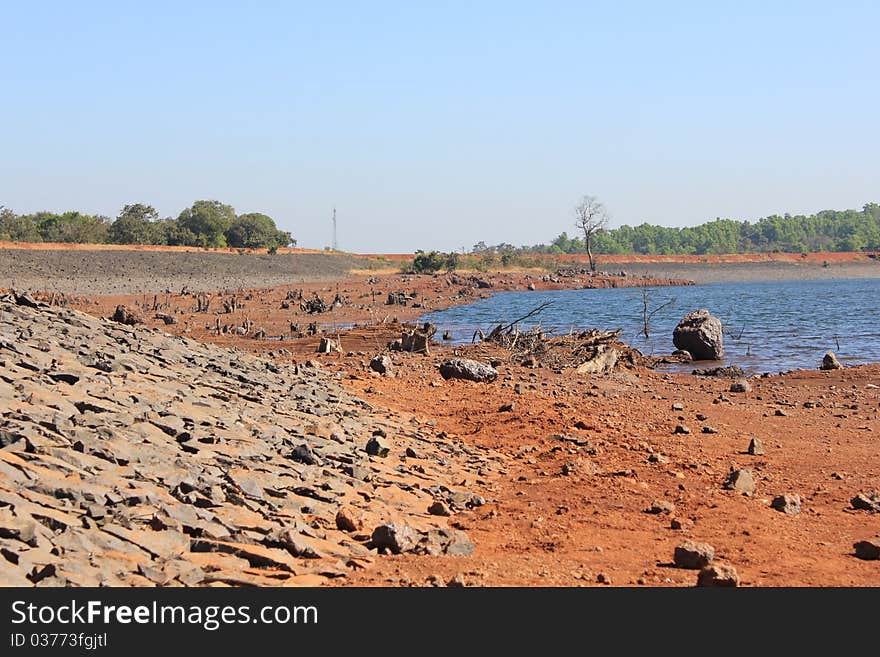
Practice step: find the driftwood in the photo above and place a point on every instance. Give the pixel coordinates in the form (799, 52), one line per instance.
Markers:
(590, 351)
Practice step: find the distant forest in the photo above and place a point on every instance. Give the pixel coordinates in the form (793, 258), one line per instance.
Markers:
(829, 230)
(204, 224)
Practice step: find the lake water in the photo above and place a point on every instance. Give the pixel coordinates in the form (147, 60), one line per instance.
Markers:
(770, 326)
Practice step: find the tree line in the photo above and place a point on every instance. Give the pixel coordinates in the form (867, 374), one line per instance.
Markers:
(829, 230)
(204, 224)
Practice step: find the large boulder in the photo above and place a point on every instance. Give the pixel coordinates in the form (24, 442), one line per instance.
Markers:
(471, 370)
(700, 333)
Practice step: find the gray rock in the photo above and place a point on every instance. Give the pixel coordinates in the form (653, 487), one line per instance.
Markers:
(125, 315)
(718, 574)
(381, 364)
(830, 362)
(756, 447)
(701, 334)
(459, 544)
(328, 346)
(867, 501)
(378, 446)
(693, 555)
(660, 506)
(740, 385)
(868, 550)
(470, 370)
(741, 481)
(394, 537)
(305, 454)
(602, 362)
(439, 508)
(788, 504)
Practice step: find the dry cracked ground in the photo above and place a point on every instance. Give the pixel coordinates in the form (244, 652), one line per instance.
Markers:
(130, 457)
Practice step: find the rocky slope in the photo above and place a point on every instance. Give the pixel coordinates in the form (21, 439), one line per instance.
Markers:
(130, 457)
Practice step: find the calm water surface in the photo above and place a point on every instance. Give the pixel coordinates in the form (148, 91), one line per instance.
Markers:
(770, 326)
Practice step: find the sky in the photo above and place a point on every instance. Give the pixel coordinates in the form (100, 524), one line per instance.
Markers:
(438, 125)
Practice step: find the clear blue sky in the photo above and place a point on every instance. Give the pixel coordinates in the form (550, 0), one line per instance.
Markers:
(437, 127)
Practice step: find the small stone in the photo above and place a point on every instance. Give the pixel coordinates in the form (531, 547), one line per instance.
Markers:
(439, 508)
(459, 544)
(830, 362)
(756, 447)
(394, 537)
(693, 555)
(868, 550)
(681, 428)
(435, 580)
(708, 429)
(867, 501)
(718, 574)
(780, 413)
(788, 504)
(304, 454)
(677, 407)
(740, 385)
(124, 315)
(381, 363)
(660, 506)
(413, 454)
(349, 519)
(507, 408)
(378, 446)
(680, 523)
(741, 481)
(458, 581)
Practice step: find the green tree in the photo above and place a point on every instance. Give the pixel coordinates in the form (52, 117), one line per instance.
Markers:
(17, 228)
(71, 227)
(254, 231)
(205, 224)
(136, 224)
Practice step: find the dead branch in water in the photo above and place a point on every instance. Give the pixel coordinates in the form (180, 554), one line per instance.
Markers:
(646, 316)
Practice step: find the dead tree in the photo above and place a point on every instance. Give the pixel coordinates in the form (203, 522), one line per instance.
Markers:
(591, 217)
(646, 316)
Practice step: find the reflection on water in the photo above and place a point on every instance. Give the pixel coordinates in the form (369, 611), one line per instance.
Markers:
(769, 326)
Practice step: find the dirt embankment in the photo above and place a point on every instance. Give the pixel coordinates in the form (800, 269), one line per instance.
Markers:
(117, 271)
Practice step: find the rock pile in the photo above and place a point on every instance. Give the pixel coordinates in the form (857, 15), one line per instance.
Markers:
(130, 457)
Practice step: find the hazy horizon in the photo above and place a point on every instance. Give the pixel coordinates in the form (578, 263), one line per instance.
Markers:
(432, 128)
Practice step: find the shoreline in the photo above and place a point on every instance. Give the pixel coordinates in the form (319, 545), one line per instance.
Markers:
(600, 476)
